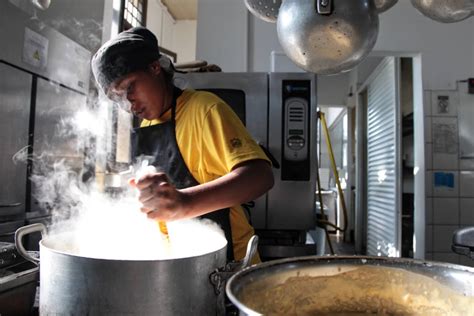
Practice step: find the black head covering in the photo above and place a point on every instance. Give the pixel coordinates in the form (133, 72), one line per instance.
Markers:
(131, 50)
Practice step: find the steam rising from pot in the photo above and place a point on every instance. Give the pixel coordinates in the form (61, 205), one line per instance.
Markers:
(87, 222)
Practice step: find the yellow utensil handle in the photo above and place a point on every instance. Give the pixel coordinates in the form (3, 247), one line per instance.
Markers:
(163, 227)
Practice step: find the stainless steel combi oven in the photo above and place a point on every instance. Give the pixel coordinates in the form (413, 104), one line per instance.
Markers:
(279, 110)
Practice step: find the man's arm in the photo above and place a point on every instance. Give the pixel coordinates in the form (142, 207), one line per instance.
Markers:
(244, 183)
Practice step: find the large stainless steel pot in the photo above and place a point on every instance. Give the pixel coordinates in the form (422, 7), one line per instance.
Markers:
(290, 286)
(75, 285)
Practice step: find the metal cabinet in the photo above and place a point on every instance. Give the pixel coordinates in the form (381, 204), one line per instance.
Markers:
(15, 96)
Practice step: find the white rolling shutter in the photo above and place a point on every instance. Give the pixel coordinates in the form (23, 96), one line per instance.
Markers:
(383, 161)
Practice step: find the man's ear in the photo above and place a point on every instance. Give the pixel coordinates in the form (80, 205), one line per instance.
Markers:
(155, 67)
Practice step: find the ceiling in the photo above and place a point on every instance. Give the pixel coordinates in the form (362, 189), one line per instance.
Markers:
(182, 9)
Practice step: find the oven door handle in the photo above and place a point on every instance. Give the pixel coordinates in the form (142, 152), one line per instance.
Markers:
(11, 204)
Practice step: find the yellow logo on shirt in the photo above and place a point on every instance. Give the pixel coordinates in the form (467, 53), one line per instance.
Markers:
(236, 143)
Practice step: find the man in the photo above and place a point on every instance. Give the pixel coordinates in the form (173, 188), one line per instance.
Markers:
(209, 163)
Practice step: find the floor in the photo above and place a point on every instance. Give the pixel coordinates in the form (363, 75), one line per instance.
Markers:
(339, 246)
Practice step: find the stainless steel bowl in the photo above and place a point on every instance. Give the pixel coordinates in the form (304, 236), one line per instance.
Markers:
(406, 280)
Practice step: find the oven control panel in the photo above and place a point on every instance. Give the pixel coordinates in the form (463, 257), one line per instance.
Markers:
(296, 122)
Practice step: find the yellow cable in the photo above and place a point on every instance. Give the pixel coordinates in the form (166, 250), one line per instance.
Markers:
(336, 175)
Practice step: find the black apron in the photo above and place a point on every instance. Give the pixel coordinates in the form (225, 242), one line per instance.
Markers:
(158, 144)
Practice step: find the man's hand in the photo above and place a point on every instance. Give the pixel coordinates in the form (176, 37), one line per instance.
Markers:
(160, 199)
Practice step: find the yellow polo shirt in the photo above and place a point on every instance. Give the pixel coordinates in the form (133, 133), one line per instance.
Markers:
(212, 141)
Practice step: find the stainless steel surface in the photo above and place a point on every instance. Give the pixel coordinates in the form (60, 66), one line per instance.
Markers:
(463, 242)
(251, 250)
(465, 119)
(18, 285)
(7, 230)
(384, 5)
(15, 87)
(71, 69)
(327, 43)
(75, 285)
(458, 278)
(10, 205)
(445, 11)
(291, 203)
(266, 10)
(254, 86)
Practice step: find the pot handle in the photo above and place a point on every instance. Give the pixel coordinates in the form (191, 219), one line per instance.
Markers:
(220, 276)
(25, 230)
(251, 250)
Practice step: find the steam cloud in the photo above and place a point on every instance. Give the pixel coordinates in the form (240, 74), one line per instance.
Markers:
(88, 222)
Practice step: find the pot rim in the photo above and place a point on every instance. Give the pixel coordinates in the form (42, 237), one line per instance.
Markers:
(69, 254)
(390, 262)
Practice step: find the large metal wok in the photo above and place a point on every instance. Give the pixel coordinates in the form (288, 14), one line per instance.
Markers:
(76, 285)
(353, 285)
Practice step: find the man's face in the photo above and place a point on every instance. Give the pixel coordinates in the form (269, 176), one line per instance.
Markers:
(140, 92)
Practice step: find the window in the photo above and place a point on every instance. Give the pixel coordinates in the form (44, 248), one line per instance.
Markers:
(134, 12)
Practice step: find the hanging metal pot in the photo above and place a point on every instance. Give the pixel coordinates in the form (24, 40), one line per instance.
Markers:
(327, 36)
(445, 11)
(266, 10)
(384, 5)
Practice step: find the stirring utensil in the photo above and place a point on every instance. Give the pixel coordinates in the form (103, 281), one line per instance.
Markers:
(145, 168)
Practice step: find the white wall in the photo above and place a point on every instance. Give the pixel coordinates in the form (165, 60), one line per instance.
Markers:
(161, 23)
(222, 34)
(176, 36)
(184, 40)
(154, 17)
(447, 49)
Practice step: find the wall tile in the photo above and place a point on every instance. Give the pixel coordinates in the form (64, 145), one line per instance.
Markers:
(443, 237)
(466, 183)
(446, 257)
(445, 183)
(428, 134)
(446, 211)
(429, 211)
(429, 238)
(444, 103)
(444, 135)
(445, 161)
(429, 183)
(466, 164)
(466, 209)
(428, 156)
(427, 102)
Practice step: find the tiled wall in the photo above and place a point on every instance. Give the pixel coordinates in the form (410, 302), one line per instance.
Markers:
(449, 180)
